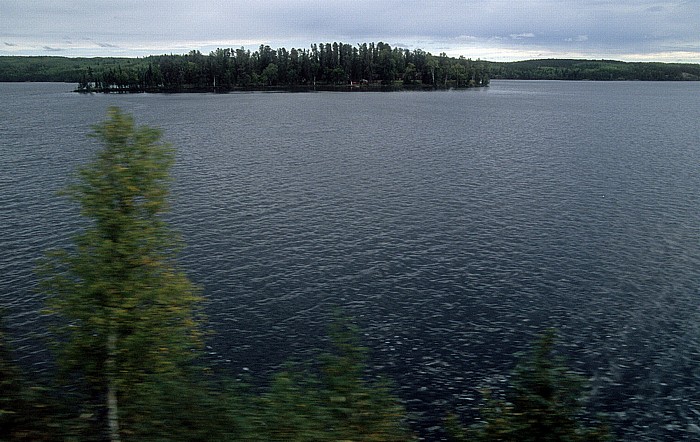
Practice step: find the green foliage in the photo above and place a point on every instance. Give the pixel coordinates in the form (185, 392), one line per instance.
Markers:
(333, 403)
(593, 70)
(543, 404)
(26, 413)
(292, 409)
(61, 69)
(183, 409)
(324, 65)
(127, 332)
(127, 339)
(361, 410)
(545, 393)
(126, 315)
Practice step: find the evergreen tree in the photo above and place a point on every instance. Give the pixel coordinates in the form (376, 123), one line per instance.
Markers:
(125, 314)
(360, 410)
(333, 403)
(293, 409)
(543, 404)
(25, 413)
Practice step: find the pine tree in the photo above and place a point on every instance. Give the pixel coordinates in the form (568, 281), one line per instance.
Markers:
(126, 315)
(26, 413)
(543, 404)
(360, 409)
(332, 401)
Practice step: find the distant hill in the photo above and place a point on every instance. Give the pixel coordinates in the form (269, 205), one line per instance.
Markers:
(607, 70)
(56, 69)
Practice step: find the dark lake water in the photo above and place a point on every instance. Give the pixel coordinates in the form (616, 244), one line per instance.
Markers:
(453, 226)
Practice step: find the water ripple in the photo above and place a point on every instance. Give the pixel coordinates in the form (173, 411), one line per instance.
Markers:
(453, 226)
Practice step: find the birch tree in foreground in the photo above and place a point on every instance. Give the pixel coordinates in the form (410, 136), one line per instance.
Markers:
(126, 314)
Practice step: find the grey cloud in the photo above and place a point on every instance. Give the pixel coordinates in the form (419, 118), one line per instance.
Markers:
(521, 36)
(537, 25)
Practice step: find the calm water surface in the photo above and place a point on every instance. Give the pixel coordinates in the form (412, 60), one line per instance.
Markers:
(454, 226)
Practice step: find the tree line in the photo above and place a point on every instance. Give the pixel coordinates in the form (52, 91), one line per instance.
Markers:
(329, 65)
(325, 65)
(128, 336)
(596, 70)
(57, 69)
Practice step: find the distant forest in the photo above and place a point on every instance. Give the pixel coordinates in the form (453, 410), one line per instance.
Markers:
(321, 66)
(600, 70)
(334, 66)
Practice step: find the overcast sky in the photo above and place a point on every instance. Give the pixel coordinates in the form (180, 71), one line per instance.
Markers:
(498, 30)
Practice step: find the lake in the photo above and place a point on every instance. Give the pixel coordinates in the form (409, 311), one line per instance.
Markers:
(453, 226)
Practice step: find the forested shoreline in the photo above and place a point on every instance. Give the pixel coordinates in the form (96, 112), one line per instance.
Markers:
(335, 66)
(594, 70)
(327, 66)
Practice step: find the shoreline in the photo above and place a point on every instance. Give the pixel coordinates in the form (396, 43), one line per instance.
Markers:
(279, 89)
